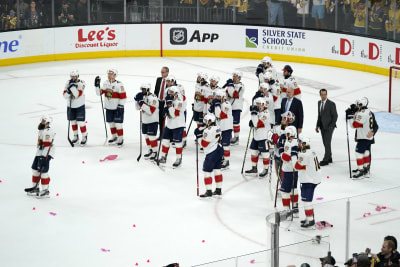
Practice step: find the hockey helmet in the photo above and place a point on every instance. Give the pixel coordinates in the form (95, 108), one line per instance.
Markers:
(174, 90)
(264, 86)
(304, 140)
(170, 78)
(203, 77)
(214, 78)
(363, 102)
(288, 116)
(47, 119)
(267, 76)
(288, 69)
(145, 86)
(74, 73)
(291, 131)
(209, 118)
(113, 71)
(181, 89)
(266, 60)
(237, 73)
(259, 100)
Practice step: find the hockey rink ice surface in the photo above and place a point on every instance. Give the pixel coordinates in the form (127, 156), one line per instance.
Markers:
(124, 212)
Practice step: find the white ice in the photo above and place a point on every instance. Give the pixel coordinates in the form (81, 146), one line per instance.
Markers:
(99, 202)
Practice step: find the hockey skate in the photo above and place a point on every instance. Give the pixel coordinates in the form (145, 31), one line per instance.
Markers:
(120, 143)
(177, 163)
(308, 225)
(112, 140)
(253, 171)
(295, 211)
(162, 160)
(235, 140)
(225, 165)
(359, 174)
(76, 139)
(153, 156)
(366, 172)
(148, 154)
(217, 192)
(32, 192)
(263, 173)
(44, 194)
(208, 193)
(84, 140)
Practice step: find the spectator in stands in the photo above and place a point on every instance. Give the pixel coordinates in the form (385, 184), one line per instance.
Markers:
(303, 12)
(275, 13)
(81, 12)
(11, 21)
(23, 6)
(375, 23)
(318, 13)
(66, 14)
(217, 10)
(328, 261)
(330, 14)
(32, 16)
(389, 23)
(348, 20)
(359, 15)
(387, 255)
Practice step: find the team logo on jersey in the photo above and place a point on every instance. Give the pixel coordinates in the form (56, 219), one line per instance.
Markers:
(300, 159)
(286, 149)
(109, 93)
(47, 137)
(205, 135)
(178, 36)
(252, 38)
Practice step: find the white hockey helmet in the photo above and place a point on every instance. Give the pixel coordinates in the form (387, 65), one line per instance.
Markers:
(260, 100)
(174, 90)
(291, 131)
(214, 78)
(304, 140)
(267, 60)
(264, 85)
(209, 118)
(170, 78)
(288, 116)
(203, 76)
(146, 86)
(74, 73)
(268, 75)
(47, 119)
(113, 71)
(237, 73)
(181, 89)
(363, 102)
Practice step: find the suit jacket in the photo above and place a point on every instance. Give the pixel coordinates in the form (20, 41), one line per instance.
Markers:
(327, 119)
(297, 108)
(158, 86)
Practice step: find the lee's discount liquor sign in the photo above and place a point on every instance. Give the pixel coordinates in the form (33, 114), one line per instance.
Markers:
(88, 37)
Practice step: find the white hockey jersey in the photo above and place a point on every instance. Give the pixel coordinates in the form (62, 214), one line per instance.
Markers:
(209, 96)
(270, 107)
(210, 139)
(198, 98)
(78, 95)
(176, 113)
(363, 122)
(45, 137)
(223, 113)
(272, 70)
(276, 95)
(290, 82)
(308, 167)
(261, 125)
(150, 109)
(289, 155)
(114, 94)
(235, 94)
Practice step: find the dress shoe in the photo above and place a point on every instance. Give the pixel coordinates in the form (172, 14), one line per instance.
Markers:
(323, 163)
(330, 160)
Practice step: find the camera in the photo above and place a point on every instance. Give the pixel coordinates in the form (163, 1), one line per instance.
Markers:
(351, 110)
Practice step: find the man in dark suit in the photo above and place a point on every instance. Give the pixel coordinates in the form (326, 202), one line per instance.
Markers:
(326, 123)
(159, 91)
(290, 103)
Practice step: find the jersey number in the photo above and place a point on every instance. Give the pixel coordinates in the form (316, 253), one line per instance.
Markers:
(371, 123)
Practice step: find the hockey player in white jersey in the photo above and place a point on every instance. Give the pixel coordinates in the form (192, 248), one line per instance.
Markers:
(173, 132)
(209, 93)
(210, 138)
(44, 153)
(222, 109)
(265, 67)
(75, 96)
(198, 104)
(147, 103)
(308, 169)
(115, 99)
(235, 89)
(288, 152)
(275, 91)
(363, 122)
(289, 82)
(260, 123)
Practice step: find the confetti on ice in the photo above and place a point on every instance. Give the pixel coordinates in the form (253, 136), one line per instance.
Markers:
(110, 157)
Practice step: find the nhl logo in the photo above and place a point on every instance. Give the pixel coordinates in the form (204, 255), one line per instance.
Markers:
(178, 36)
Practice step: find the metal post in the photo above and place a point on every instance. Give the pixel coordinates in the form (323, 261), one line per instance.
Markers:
(162, 10)
(366, 17)
(88, 11)
(303, 22)
(53, 13)
(394, 22)
(237, 262)
(198, 11)
(336, 13)
(234, 14)
(275, 241)
(18, 15)
(347, 230)
(124, 11)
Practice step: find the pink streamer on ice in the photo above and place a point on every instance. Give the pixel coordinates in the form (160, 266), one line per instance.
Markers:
(110, 157)
(52, 213)
(252, 261)
(367, 214)
(320, 198)
(105, 250)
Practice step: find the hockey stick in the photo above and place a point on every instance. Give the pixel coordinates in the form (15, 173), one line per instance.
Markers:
(190, 124)
(245, 153)
(30, 189)
(277, 182)
(197, 164)
(140, 154)
(104, 117)
(69, 120)
(159, 145)
(348, 146)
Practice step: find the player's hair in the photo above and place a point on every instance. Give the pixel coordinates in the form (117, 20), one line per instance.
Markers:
(391, 238)
(323, 90)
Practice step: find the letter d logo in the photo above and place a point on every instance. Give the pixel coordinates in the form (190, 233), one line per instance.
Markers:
(372, 50)
(345, 47)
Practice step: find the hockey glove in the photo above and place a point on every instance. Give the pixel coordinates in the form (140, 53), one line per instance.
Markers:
(251, 124)
(229, 82)
(97, 81)
(138, 97)
(254, 112)
(169, 103)
(198, 133)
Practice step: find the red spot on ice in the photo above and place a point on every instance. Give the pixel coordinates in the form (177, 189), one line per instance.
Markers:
(252, 261)
(366, 214)
(327, 176)
(137, 264)
(134, 225)
(85, 121)
(57, 194)
(53, 213)
(148, 261)
(1, 181)
(33, 208)
(320, 198)
(83, 162)
(203, 241)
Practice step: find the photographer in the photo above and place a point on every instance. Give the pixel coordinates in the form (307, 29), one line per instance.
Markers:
(66, 16)
(363, 120)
